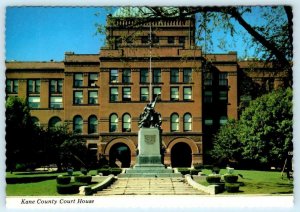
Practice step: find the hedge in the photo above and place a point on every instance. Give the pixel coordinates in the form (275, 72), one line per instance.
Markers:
(214, 179)
(63, 180)
(15, 180)
(108, 171)
(232, 187)
(83, 179)
(230, 178)
(184, 171)
(71, 188)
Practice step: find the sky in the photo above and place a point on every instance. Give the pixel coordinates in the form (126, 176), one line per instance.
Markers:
(46, 33)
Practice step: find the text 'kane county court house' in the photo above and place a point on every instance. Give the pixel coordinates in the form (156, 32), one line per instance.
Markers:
(102, 95)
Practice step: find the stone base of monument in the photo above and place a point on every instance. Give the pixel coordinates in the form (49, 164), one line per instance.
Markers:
(148, 161)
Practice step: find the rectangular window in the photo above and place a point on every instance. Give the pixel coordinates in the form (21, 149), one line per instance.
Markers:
(156, 92)
(171, 40)
(174, 75)
(126, 94)
(223, 79)
(155, 39)
(56, 102)
(78, 80)
(114, 94)
(223, 95)
(56, 86)
(174, 93)
(12, 86)
(114, 75)
(144, 39)
(78, 97)
(144, 75)
(93, 97)
(187, 75)
(34, 101)
(156, 75)
(144, 94)
(34, 86)
(187, 93)
(208, 97)
(182, 39)
(207, 78)
(93, 79)
(208, 121)
(126, 76)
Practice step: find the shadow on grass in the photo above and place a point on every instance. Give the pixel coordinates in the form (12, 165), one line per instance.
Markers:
(283, 192)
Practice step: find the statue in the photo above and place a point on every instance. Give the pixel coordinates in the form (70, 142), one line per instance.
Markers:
(149, 118)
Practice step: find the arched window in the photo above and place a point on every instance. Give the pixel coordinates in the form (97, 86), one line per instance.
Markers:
(93, 124)
(113, 123)
(126, 123)
(35, 121)
(187, 122)
(54, 122)
(174, 122)
(223, 120)
(77, 124)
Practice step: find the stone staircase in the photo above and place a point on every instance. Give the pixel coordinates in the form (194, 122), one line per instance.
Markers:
(150, 186)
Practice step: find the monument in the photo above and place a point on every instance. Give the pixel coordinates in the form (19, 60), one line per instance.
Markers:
(149, 158)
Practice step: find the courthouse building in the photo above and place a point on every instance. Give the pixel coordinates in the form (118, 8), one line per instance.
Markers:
(100, 96)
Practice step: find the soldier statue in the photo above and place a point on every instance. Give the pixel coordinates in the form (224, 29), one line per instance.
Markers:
(149, 118)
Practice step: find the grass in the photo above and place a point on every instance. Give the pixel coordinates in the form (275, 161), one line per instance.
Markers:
(259, 182)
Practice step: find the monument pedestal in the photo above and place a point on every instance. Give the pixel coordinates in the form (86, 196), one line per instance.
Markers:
(149, 159)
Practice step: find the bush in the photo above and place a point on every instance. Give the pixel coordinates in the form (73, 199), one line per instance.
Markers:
(84, 171)
(34, 179)
(104, 171)
(230, 178)
(232, 187)
(213, 179)
(83, 179)
(67, 189)
(198, 166)
(63, 180)
(184, 171)
(195, 171)
(207, 167)
(115, 171)
(215, 170)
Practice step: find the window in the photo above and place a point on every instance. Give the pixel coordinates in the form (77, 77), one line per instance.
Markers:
(170, 39)
(126, 76)
(208, 97)
(113, 122)
(56, 86)
(223, 120)
(223, 79)
(155, 39)
(174, 122)
(223, 95)
(78, 80)
(12, 86)
(54, 122)
(156, 92)
(34, 86)
(78, 124)
(114, 75)
(144, 39)
(56, 102)
(126, 94)
(126, 123)
(187, 93)
(187, 75)
(208, 122)
(93, 124)
(156, 75)
(174, 93)
(182, 39)
(208, 78)
(144, 75)
(114, 94)
(174, 75)
(93, 97)
(187, 122)
(78, 97)
(144, 94)
(93, 78)
(34, 101)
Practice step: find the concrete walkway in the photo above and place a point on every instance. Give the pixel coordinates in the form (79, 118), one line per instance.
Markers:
(150, 186)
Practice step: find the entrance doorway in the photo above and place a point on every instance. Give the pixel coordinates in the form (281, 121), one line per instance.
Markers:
(181, 155)
(119, 156)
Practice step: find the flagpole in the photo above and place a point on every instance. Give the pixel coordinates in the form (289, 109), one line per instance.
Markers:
(150, 65)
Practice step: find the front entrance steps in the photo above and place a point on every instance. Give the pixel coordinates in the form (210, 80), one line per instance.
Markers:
(150, 186)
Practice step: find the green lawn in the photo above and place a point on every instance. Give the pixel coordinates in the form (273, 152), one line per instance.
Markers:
(260, 182)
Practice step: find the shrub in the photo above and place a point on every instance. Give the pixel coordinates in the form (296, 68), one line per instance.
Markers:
(195, 171)
(63, 180)
(67, 189)
(215, 170)
(215, 179)
(83, 179)
(207, 167)
(232, 187)
(184, 171)
(198, 166)
(115, 171)
(230, 178)
(104, 171)
(84, 171)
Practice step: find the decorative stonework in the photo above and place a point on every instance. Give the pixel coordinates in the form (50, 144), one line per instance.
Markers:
(150, 139)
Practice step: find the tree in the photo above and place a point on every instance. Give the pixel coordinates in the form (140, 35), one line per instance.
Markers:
(272, 35)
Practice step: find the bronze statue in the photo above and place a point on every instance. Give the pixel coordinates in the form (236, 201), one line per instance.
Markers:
(150, 118)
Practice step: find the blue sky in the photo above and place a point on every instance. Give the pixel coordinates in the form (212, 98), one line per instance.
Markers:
(46, 33)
